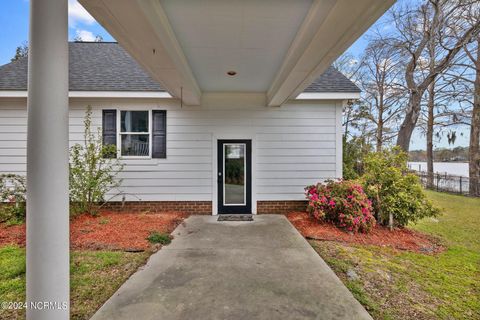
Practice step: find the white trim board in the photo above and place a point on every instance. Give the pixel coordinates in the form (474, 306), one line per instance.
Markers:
(166, 95)
(328, 96)
(94, 94)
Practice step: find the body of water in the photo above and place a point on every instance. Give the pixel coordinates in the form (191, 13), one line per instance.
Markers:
(455, 168)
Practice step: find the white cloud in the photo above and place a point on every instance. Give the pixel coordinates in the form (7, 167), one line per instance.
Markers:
(352, 62)
(77, 13)
(85, 35)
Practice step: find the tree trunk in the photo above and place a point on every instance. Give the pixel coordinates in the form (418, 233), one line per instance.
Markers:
(410, 121)
(380, 125)
(430, 106)
(347, 120)
(390, 221)
(379, 136)
(474, 152)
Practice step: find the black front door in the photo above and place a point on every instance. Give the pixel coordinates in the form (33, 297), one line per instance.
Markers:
(234, 176)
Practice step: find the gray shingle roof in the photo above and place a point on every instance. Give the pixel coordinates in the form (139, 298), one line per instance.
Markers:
(94, 66)
(332, 81)
(105, 66)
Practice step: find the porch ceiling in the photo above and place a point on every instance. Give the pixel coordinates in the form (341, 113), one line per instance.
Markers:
(247, 37)
(275, 46)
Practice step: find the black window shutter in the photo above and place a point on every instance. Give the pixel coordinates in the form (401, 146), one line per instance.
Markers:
(109, 129)
(159, 134)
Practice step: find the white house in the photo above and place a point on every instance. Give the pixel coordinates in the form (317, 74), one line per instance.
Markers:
(230, 154)
(235, 70)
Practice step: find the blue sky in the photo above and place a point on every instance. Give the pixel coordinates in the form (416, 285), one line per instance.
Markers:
(14, 26)
(14, 31)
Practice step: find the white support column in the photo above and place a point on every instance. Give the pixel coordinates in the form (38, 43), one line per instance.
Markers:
(47, 162)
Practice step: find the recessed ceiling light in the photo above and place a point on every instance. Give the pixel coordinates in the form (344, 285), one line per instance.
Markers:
(231, 73)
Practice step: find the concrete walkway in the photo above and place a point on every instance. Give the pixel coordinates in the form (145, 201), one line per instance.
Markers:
(234, 270)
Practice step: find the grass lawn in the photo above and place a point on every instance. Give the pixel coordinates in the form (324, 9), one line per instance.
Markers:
(95, 276)
(395, 284)
(101, 256)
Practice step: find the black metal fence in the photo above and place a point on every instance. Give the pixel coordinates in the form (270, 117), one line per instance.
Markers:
(447, 182)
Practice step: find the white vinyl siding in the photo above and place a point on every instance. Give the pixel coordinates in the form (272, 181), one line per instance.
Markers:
(293, 146)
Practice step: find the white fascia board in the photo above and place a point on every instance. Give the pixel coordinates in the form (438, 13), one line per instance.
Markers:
(119, 94)
(95, 94)
(328, 96)
(13, 94)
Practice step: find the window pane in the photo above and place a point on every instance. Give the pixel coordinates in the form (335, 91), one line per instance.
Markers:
(135, 145)
(234, 174)
(134, 121)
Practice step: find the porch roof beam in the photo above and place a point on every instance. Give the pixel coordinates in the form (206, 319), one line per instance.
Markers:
(142, 28)
(330, 27)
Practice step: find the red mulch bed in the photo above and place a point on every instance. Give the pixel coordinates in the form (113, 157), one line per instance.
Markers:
(12, 235)
(402, 239)
(108, 230)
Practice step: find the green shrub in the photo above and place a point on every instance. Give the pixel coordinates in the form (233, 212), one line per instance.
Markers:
(397, 195)
(341, 202)
(12, 198)
(92, 171)
(354, 150)
(158, 237)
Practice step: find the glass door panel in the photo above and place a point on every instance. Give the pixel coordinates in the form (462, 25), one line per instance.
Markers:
(234, 174)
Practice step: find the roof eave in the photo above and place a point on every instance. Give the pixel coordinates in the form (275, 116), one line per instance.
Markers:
(328, 96)
(94, 94)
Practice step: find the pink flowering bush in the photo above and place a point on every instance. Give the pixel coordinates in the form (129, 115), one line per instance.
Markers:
(344, 203)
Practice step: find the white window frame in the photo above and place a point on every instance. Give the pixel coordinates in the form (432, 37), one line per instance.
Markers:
(120, 133)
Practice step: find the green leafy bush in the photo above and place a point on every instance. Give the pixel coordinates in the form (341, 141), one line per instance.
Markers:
(157, 237)
(354, 150)
(397, 195)
(92, 170)
(341, 202)
(12, 198)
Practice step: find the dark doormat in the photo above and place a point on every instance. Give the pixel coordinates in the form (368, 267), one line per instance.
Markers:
(235, 217)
